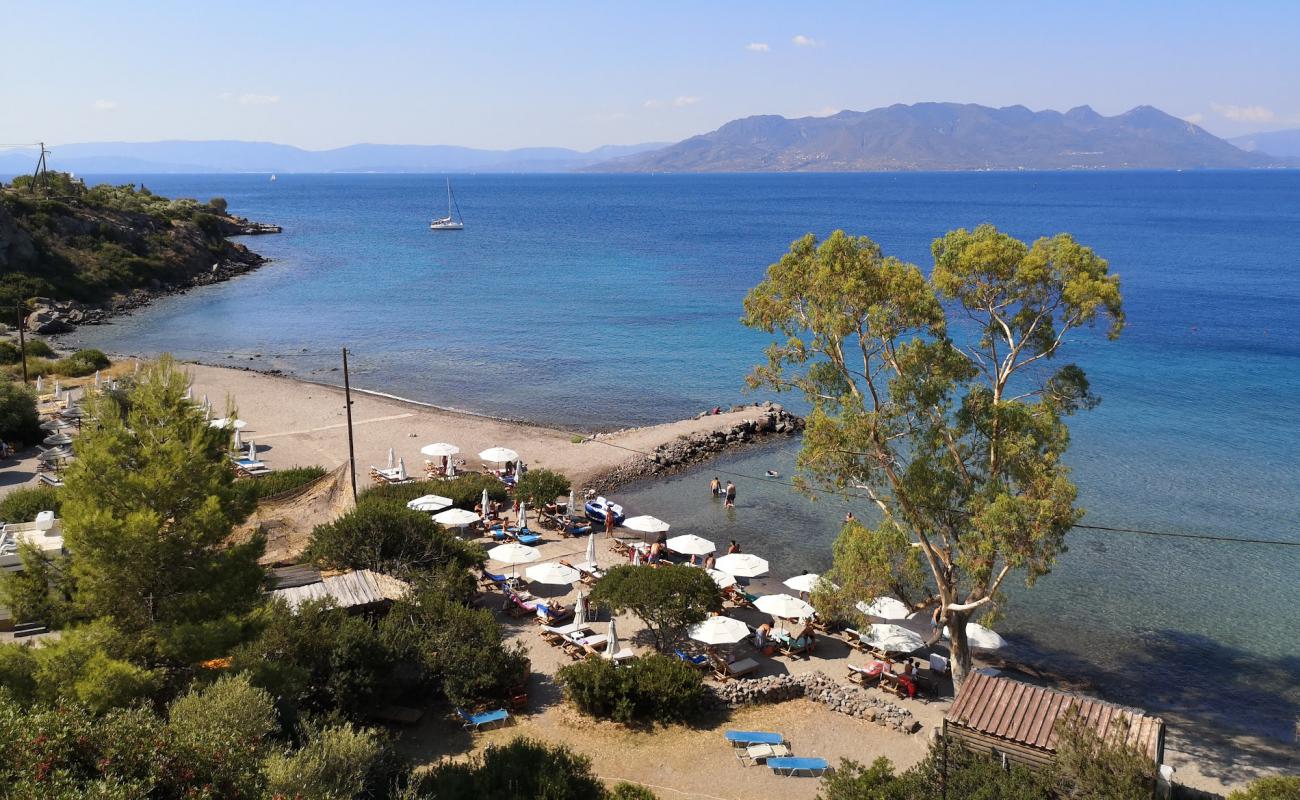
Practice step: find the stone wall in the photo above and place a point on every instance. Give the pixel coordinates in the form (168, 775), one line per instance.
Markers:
(768, 419)
(817, 686)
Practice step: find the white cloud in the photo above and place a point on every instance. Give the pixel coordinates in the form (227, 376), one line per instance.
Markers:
(757, 47)
(104, 105)
(1243, 113)
(653, 104)
(1195, 119)
(250, 99)
(682, 101)
(805, 41)
(826, 111)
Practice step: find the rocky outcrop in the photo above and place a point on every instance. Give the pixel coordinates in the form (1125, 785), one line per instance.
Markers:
(768, 419)
(853, 701)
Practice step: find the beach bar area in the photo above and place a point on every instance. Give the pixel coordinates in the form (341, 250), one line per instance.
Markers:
(1017, 720)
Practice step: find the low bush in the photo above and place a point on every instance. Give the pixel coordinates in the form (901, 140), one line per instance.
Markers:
(389, 538)
(282, 481)
(541, 486)
(464, 491)
(11, 354)
(668, 599)
(22, 505)
(338, 762)
(82, 363)
(524, 769)
(654, 688)
(19, 422)
(1274, 787)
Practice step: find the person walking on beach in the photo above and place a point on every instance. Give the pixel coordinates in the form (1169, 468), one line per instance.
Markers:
(731, 495)
(715, 486)
(610, 522)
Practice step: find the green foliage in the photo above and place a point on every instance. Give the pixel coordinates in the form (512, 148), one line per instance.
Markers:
(336, 763)
(35, 348)
(24, 503)
(218, 205)
(81, 363)
(87, 666)
(18, 673)
(667, 599)
(961, 442)
(147, 509)
(853, 781)
(1274, 787)
(34, 593)
(630, 791)
(389, 538)
(283, 481)
(1089, 767)
(541, 486)
(464, 491)
(460, 647)
(524, 769)
(107, 683)
(220, 733)
(19, 422)
(651, 689)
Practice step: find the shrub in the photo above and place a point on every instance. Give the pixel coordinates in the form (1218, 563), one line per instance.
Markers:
(464, 492)
(107, 683)
(19, 422)
(18, 672)
(11, 354)
(336, 763)
(218, 205)
(22, 505)
(219, 731)
(667, 599)
(35, 593)
(541, 486)
(282, 481)
(630, 791)
(651, 689)
(1089, 766)
(82, 362)
(524, 769)
(1274, 787)
(391, 539)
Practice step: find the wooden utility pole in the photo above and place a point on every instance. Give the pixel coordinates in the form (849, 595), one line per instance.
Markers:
(352, 453)
(22, 339)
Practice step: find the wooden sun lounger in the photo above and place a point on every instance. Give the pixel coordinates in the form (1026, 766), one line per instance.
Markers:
(755, 753)
(854, 640)
(724, 671)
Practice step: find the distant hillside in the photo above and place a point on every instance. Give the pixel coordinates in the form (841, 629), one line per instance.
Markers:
(948, 136)
(1283, 144)
(141, 158)
(67, 241)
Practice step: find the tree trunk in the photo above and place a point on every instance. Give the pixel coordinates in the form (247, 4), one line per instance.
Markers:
(960, 662)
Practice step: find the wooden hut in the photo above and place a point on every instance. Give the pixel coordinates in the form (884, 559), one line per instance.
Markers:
(362, 590)
(1016, 720)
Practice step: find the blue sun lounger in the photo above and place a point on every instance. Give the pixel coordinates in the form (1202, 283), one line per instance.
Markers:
(478, 721)
(739, 738)
(791, 765)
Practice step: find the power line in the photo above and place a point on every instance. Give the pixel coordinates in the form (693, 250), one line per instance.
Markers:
(1208, 537)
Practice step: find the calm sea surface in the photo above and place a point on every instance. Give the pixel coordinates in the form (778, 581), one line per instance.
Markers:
(607, 301)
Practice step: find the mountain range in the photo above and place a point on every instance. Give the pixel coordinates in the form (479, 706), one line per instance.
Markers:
(924, 136)
(949, 136)
(237, 156)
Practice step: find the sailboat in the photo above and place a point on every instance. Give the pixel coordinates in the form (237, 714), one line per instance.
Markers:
(272, 176)
(449, 223)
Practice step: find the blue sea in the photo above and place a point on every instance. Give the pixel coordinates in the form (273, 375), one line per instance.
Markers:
(599, 302)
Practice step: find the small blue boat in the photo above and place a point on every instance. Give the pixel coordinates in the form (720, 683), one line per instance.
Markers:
(596, 510)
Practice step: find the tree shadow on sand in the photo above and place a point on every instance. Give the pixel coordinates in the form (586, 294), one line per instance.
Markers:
(1219, 702)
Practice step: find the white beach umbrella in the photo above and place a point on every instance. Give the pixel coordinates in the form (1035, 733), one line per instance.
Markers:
(742, 565)
(401, 469)
(892, 638)
(189, 392)
(442, 449)
(647, 524)
(580, 611)
(252, 450)
(636, 558)
(54, 454)
(40, 383)
(485, 502)
(207, 412)
(459, 518)
(721, 578)
(227, 422)
(784, 606)
(205, 397)
(719, 630)
(552, 573)
(884, 608)
(980, 637)
(239, 440)
(808, 582)
(573, 504)
(690, 544)
(499, 455)
(58, 439)
(522, 522)
(591, 549)
(432, 502)
(205, 403)
(392, 458)
(611, 647)
(136, 369)
(513, 553)
(58, 391)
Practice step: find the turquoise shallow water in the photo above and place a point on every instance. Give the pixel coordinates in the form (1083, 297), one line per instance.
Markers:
(605, 301)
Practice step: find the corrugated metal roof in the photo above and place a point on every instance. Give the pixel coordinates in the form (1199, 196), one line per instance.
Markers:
(1025, 714)
(349, 590)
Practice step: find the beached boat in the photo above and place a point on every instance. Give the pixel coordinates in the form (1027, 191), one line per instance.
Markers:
(598, 508)
(450, 222)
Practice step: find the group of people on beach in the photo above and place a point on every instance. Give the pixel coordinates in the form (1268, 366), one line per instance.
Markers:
(729, 493)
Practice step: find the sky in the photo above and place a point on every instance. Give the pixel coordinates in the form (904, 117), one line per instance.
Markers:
(503, 74)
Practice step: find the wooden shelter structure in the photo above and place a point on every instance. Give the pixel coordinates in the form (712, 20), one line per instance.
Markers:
(1017, 720)
(355, 591)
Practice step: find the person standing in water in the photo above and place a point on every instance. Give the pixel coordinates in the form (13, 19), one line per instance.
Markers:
(715, 486)
(731, 495)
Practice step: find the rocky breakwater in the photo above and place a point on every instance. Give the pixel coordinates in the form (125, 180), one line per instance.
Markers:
(767, 419)
(853, 701)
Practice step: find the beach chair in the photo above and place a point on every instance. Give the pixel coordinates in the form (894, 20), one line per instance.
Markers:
(741, 741)
(525, 536)
(51, 479)
(854, 640)
(789, 766)
(867, 675)
(794, 647)
(739, 597)
(725, 671)
(898, 685)
(549, 615)
(755, 753)
(516, 606)
(483, 719)
(699, 661)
